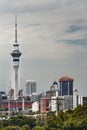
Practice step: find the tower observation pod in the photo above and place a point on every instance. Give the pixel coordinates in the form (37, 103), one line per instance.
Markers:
(16, 55)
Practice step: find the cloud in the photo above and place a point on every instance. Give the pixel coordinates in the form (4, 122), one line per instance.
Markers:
(39, 6)
(28, 6)
(74, 28)
(82, 42)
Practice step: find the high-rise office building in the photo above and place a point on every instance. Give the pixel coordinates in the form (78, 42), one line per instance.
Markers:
(66, 90)
(30, 87)
(66, 86)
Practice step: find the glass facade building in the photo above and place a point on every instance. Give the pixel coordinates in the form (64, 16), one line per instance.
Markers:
(66, 86)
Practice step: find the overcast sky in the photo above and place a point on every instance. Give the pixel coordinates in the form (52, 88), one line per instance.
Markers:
(53, 40)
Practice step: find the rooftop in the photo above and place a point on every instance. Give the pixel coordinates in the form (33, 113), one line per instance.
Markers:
(65, 78)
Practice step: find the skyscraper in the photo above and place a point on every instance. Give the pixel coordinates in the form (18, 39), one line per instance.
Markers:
(66, 90)
(30, 87)
(66, 86)
(16, 55)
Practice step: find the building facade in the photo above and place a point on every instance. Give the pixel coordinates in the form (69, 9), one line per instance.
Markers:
(66, 90)
(66, 86)
(30, 87)
(44, 104)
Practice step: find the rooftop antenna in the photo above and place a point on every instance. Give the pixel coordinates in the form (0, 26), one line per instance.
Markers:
(15, 28)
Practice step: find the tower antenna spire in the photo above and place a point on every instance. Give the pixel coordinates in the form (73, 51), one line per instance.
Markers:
(16, 28)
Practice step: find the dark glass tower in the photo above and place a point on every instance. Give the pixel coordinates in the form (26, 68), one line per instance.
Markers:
(16, 55)
(66, 86)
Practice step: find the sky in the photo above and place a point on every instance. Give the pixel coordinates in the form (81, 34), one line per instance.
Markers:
(52, 35)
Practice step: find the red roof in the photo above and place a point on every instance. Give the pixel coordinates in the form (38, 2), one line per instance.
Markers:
(65, 79)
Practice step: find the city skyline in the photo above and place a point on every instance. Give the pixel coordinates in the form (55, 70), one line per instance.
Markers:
(53, 40)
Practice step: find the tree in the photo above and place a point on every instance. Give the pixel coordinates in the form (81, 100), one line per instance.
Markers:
(38, 128)
(52, 121)
(22, 120)
(25, 127)
(12, 128)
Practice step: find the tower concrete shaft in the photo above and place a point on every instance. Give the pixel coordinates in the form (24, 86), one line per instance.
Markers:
(16, 55)
(16, 81)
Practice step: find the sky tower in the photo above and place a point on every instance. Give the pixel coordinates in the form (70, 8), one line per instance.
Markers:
(16, 55)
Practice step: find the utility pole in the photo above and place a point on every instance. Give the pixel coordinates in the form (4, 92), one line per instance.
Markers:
(9, 98)
(23, 102)
(58, 102)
